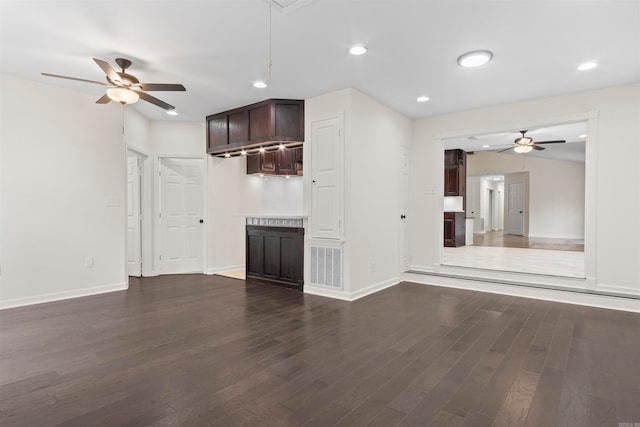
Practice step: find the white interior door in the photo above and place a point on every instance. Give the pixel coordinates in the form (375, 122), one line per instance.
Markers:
(327, 176)
(403, 249)
(181, 215)
(134, 217)
(515, 208)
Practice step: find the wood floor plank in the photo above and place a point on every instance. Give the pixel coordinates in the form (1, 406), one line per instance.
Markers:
(200, 350)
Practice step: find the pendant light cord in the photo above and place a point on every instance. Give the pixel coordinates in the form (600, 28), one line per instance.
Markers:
(270, 62)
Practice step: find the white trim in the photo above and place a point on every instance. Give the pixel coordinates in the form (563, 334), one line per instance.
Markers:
(567, 297)
(313, 290)
(345, 296)
(616, 290)
(374, 288)
(57, 296)
(216, 270)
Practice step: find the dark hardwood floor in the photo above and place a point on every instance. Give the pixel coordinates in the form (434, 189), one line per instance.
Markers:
(208, 350)
(501, 240)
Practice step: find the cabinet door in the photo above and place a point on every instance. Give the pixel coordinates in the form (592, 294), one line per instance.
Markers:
(259, 122)
(449, 230)
(217, 132)
(327, 174)
(299, 162)
(286, 162)
(451, 181)
(268, 163)
(238, 127)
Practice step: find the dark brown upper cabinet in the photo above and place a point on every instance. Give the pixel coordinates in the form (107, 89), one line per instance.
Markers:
(278, 163)
(264, 124)
(455, 172)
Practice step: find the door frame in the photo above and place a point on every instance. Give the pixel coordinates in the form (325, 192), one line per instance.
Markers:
(146, 225)
(157, 248)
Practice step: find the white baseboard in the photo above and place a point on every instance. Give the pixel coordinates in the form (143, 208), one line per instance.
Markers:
(374, 288)
(324, 292)
(346, 296)
(57, 296)
(216, 270)
(556, 295)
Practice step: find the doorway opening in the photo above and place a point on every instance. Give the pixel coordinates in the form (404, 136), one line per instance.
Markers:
(527, 210)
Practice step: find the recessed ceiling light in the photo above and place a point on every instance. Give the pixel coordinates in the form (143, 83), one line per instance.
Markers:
(259, 84)
(587, 66)
(422, 98)
(582, 136)
(475, 58)
(172, 113)
(357, 50)
(485, 146)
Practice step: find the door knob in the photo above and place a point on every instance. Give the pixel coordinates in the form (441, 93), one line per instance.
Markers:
(403, 217)
(202, 221)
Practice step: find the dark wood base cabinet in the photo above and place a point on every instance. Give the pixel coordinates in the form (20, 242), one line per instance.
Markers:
(454, 229)
(275, 254)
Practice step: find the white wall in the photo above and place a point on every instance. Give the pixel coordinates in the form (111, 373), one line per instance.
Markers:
(613, 114)
(556, 190)
(63, 193)
(373, 136)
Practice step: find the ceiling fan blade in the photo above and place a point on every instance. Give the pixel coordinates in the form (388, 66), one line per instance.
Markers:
(167, 87)
(562, 141)
(108, 70)
(154, 100)
(535, 147)
(506, 149)
(104, 99)
(75, 78)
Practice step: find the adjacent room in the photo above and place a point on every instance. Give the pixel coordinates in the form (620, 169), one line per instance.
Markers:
(311, 212)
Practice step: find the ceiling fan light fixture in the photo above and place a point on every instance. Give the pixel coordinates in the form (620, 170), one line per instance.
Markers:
(475, 58)
(358, 50)
(524, 140)
(122, 95)
(523, 149)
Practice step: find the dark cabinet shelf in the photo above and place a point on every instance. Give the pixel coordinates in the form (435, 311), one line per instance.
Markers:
(263, 124)
(275, 254)
(286, 162)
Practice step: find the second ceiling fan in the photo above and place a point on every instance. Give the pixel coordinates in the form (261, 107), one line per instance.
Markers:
(525, 144)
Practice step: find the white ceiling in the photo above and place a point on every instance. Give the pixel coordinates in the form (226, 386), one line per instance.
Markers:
(572, 150)
(217, 48)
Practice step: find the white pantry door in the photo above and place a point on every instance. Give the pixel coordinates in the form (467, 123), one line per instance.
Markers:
(515, 208)
(134, 203)
(327, 171)
(181, 215)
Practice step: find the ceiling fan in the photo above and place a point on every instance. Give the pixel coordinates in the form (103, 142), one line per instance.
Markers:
(524, 144)
(126, 88)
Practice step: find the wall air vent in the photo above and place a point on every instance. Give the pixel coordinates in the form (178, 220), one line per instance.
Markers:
(326, 267)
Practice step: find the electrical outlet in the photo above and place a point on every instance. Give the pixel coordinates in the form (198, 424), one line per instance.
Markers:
(88, 262)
